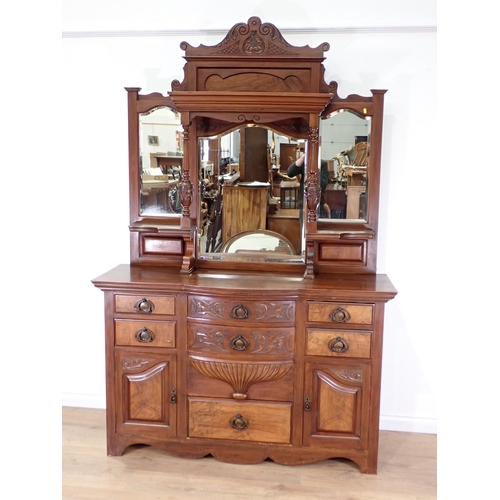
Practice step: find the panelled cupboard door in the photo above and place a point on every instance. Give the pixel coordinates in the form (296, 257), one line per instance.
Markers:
(337, 404)
(146, 393)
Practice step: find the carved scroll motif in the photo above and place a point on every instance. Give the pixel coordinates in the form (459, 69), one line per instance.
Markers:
(254, 38)
(206, 308)
(267, 343)
(135, 363)
(350, 375)
(211, 339)
(218, 340)
(265, 311)
(275, 311)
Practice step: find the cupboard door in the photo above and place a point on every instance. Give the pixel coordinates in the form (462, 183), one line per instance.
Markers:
(146, 393)
(336, 406)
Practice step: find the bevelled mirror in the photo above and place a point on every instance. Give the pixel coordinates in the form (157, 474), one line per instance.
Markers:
(160, 161)
(344, 176)
(245, 189)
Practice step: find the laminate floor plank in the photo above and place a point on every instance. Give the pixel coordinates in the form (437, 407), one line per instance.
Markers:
(407, 471)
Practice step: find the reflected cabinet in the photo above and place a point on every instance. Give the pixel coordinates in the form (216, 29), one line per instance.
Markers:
(248, 324)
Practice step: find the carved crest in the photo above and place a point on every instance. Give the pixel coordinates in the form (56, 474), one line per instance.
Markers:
(254, 38)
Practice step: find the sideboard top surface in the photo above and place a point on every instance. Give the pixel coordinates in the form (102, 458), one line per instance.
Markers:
(129, 277)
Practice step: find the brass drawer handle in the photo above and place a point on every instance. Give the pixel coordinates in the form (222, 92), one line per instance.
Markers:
(144, 306)
(340, 315)
(144, 335)
(239, 343)
(239, 423)
(338, 345)
(240, 312)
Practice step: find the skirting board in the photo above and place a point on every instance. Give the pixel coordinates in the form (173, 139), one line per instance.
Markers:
(399, 423)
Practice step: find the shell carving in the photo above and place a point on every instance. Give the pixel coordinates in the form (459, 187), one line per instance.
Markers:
(240, 376)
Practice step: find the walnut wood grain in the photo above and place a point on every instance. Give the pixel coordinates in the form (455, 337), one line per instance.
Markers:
(328, 311)
(319, 343)
(265, 422)
(127, 333)
(161, 304)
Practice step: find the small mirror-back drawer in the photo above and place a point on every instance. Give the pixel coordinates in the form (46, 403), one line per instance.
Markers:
(334, 312)
(145, 304)
(338, 343)
(240, 420)
(145, 333)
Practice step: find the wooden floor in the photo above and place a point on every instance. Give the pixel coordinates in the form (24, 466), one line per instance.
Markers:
(407, 471)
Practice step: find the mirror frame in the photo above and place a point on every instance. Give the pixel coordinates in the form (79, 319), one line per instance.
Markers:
(254, 76)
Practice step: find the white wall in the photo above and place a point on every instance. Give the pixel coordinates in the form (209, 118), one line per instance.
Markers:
(92, 138)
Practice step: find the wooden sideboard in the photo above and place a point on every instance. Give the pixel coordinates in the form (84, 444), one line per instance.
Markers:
(262, 353)
(244, 366)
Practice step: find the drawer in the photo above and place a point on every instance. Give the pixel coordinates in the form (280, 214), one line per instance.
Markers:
(207, 338)
(145, 333)
(352, 314)
(338, 343)
(145, 304)
(223, 308)
(242, 421)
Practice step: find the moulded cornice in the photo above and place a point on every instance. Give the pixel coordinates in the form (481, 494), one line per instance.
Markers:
(352, 30)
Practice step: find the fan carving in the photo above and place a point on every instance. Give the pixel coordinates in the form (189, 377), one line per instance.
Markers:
(241, 376)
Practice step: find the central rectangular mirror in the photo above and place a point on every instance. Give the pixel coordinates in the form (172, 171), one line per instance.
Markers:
(250, 208)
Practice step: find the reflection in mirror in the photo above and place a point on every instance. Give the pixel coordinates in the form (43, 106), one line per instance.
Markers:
(245, 188)
(258, 241)
(160, 162)
(345, 138)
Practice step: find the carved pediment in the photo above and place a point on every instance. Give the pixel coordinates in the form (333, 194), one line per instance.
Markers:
(246, 45)
(254, 39)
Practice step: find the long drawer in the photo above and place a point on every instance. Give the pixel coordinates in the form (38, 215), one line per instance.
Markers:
(226, 309)
(240, 420)
(208, 338)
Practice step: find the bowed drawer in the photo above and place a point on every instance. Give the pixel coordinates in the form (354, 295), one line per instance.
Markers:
(240, 420)
(244, 310)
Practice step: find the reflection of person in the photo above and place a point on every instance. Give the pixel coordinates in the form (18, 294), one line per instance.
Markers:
(297, 168)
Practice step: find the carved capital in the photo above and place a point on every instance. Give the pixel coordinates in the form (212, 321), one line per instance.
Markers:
(314, 135)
